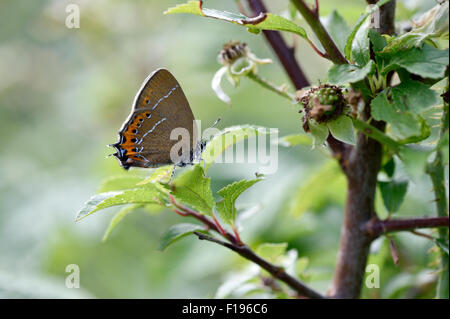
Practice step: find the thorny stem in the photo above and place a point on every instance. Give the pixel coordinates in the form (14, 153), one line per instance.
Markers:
(234, 243)
(436, 172)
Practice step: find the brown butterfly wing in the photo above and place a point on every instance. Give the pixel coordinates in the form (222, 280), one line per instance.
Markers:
(159, 107)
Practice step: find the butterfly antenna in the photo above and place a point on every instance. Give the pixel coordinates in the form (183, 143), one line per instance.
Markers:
(212, 126)
(216, 122)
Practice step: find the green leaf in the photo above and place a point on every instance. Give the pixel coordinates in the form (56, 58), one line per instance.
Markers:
(415, 159)
(295, 139)
(349, 73)
(342, 129)
(428, 62)
(302, 264)
(359, 23)
(319, 133)
(161, 174)
(193, 188)
(377, 40)
(313, 194)
(229, 136)
(405, 125)
(393, 194)
(275, 22)
(104, 200)
(118, 183)
(230, 193)
(389, 167)
(177, 232)
(265, 21)
(337, 29)
(443, 145)
(271, 251)
(424, 133)
(414, 96)
(361, 46)
(192, 7)
(292, 10)
(118, 218)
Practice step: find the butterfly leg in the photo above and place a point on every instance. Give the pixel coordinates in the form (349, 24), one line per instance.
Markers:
(204, 166)
(172, 174)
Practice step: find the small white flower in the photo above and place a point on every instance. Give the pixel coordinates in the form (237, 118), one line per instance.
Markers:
(237, 61)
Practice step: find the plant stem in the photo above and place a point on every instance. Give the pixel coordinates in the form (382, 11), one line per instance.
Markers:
(376, 227)
(332, 51)
(204, 219)
(376, 134)
(234, 243)
(276, 271)
(436, 172)
(270, 86)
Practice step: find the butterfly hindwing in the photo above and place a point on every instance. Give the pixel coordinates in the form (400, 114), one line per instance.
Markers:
(159, 107)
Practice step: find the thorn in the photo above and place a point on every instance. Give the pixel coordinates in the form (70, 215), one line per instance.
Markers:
(394, 251)
(316, 8)
(415, 232)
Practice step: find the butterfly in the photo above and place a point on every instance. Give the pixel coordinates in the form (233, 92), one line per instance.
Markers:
(159, 109)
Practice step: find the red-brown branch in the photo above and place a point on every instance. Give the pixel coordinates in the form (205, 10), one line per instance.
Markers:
(378, 227)
(236, 245)
(276, 271)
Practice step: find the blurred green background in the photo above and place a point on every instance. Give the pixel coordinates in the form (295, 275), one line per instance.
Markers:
(64, 94)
